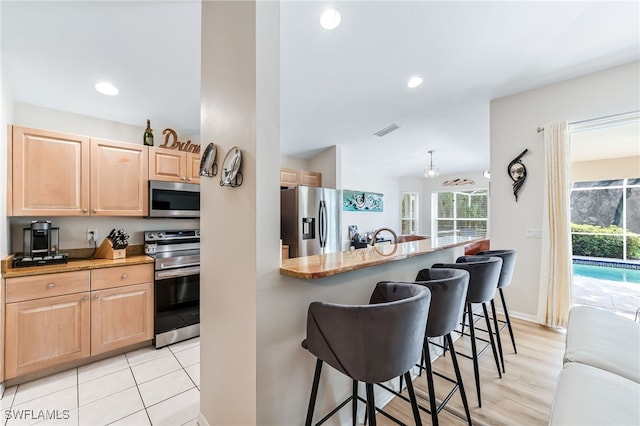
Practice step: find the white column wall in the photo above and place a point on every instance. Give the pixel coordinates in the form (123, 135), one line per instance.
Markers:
(514, 120)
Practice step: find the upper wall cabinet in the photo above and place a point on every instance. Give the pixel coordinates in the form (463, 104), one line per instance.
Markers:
(118, 178)
(58, 174)
(295, 177)
(173, 165)
(49, 173)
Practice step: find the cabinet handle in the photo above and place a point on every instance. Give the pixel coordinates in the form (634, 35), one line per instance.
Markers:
(51, 285)
(85, 298)
(85, 210)
(95, 210)
(188, 179)
(96, 297)
(124, 276)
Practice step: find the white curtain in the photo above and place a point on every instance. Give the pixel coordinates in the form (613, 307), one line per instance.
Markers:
(556, 296)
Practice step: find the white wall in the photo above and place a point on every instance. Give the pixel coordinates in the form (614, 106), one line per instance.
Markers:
(362, 179)
(514, 120)
(328, 162)
(610, 168)
(49, 119)
(6, 117)
(294, 163)
(73, 229)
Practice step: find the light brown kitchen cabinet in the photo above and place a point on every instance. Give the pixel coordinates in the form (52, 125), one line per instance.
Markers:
(173, 165)
(49, 173)
(59, 174)
(288, 177)
(294, 177)
(121, 307)
(57, 318)
(310, 178)
(45, 327)
(120, 317)
(119, 178)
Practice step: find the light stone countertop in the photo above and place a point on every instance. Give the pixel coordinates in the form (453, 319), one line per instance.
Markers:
(325, 265)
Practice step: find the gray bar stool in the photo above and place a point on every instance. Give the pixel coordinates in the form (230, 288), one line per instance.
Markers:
(448, 297)
(506, 274)
(484, 272)
(369, 343)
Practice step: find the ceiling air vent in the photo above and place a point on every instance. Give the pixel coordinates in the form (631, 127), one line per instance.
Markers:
(387, 130)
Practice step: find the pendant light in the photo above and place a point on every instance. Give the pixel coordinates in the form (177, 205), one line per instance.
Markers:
(431, 171)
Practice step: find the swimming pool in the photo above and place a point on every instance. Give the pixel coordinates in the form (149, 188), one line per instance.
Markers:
(607, 273)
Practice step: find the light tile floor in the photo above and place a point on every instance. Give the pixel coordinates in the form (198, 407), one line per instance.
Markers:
(159, 387)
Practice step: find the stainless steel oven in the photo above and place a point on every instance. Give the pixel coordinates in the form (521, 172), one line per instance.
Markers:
(176, 284)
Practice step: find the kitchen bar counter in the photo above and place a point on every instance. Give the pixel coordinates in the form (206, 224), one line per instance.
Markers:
(325, 265)
(73, 265)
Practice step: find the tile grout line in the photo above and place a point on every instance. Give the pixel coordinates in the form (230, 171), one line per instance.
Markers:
(139, 393)
(78, 394)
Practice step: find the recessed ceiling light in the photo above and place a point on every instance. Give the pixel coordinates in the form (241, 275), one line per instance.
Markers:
(106, 88)
(330, 19)
(414, 82)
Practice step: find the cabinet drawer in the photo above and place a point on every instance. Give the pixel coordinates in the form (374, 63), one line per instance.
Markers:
(39, 286)
(121, 276)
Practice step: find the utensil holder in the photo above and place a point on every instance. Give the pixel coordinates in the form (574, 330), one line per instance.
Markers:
(106, 251)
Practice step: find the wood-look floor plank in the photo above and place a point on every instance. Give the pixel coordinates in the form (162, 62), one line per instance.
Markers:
(523, 395)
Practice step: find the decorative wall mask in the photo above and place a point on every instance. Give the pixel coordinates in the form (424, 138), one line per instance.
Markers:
(517, 172)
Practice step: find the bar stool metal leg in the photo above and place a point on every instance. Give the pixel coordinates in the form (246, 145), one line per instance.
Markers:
(463, 394)
(474, 355)
(506, 316)
(432, 392)
(498, 339)
(314, 393)
(371, 404)
(354, 407)
(493, 343)
(414, 401)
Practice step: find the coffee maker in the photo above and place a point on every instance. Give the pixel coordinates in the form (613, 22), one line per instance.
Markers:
(40, 243)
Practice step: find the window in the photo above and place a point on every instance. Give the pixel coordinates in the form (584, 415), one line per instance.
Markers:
(462, 213)
(409, 213)
(605, 218)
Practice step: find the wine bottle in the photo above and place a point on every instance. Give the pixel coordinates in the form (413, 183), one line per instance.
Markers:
(148, 134)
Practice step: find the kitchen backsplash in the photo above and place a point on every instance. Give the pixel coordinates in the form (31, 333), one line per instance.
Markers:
(73, 229)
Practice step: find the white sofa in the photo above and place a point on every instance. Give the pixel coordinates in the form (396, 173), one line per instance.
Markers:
(600, 380)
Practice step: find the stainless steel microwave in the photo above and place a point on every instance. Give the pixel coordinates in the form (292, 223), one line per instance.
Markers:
(174, 199)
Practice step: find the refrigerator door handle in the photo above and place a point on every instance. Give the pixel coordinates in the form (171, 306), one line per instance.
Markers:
(322, 215)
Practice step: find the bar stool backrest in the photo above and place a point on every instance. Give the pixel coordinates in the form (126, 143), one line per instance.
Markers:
(448, 296)
(371, 343)
(484, 273)
(508, 264)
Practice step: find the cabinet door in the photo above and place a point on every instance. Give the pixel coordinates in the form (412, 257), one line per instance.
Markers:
(50, 173)
(119, 179)
(193, 167)
(46, 332)
(310, 178)
(167, 165)
(121, 317)
(288, 177)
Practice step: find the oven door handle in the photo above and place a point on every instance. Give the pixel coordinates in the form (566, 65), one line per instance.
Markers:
(182, 265)
(175, 273)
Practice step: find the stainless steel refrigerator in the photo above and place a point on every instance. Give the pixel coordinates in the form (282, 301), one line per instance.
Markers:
(310, 220)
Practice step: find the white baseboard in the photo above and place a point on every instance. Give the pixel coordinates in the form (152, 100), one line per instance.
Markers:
(525, 317)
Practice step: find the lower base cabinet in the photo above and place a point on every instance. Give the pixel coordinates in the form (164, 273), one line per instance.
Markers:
(50, 320)
(121, 317)
(46, 332)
